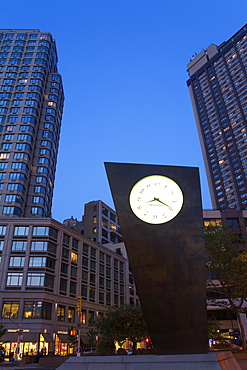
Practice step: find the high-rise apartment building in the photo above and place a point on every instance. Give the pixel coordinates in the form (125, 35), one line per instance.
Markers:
(31, 106)
(218, 89)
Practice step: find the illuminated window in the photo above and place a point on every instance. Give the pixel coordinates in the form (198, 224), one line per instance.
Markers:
(60, 313)
(71, 314)
(113, 226)
(10, 310)
(74, 257)
(212, 221)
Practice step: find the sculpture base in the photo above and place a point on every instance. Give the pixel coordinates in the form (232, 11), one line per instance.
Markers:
(212, 361)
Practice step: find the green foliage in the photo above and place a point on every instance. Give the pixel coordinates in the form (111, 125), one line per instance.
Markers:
(226, 257)
(105, 347)
(91, 342)
(121, 323)
(214, 332)
(72, 339)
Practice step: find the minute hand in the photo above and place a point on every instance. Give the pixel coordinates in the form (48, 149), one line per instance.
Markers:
(163, 203)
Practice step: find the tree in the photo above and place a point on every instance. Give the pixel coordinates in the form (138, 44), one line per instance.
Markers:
(214, 331)
(91, 342)
(72, 337)
(121, 323)
(226, 257)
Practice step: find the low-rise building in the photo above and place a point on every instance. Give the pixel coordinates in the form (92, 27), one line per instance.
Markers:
(45, 266)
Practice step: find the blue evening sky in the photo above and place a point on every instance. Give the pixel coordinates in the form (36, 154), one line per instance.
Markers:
(123, 64)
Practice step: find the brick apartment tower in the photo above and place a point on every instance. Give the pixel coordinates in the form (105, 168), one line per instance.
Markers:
(218, 89)
(31, 106)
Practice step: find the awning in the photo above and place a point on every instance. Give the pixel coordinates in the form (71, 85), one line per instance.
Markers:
(47, 337)
(9, 337)
(30, 337)
(26, 337)
(63, 338)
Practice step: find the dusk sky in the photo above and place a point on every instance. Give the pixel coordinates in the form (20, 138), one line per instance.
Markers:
(123, 64)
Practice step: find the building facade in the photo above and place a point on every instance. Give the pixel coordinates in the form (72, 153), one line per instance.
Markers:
(31, 106)
(218, 90)
(99, 223)
(45, 266)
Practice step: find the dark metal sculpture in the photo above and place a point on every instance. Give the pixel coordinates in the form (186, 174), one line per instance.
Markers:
(167, 260)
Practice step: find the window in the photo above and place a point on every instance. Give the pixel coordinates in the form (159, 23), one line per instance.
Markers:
(10, 309)
(40, 200)
(16, 261)
(23, 146)
(8, 137)
(30, 119)
(4, 155)
(2, 175)
(17, 176)
(43, 246)
(36, 310)
(74, 257)
(21, 230)
(19, 166)
(35, 279)
(42, 170)
(44, 160)
(232, 222)
(48, 134)
(19, 245)
(37, 262)
(11, 211)
(71, 314)
(3, 165)
(46, 143)
(73, 272)
(72, 290)
(45, 152)
(26, 128)
(64, 268)
(2, 230)
(40, 230)
(16, 187)
(63, 285)
(39, 189)
(60, 313)
(21, 156)
(30, 110)
(32, 310)
(41, 179)
(14, 279)
(32, 102)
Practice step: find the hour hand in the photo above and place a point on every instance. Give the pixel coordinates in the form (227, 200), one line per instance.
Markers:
(149, 201)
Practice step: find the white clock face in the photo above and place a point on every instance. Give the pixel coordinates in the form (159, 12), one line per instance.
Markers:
(156, 199)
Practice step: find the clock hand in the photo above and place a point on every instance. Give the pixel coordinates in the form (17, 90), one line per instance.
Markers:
(151, 200)
(163, 203)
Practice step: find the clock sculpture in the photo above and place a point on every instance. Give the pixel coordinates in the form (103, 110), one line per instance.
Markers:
(160, 214)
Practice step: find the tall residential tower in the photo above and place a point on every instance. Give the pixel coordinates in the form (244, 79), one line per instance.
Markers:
(31, 106)
(218, 90)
